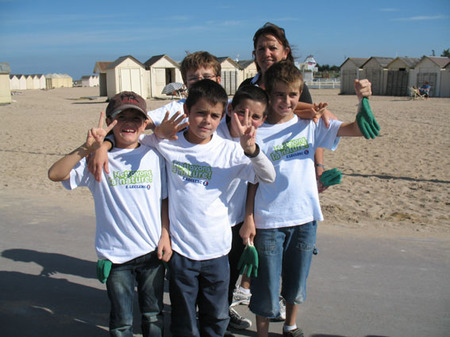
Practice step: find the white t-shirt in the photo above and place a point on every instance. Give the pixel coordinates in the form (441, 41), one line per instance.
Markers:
(173, 107)
(237, 188)
(199, 178)
(127, 202)
(293, 198)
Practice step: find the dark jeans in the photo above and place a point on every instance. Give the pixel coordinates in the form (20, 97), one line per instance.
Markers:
(148, 273)
(203, 284)
(237, 248)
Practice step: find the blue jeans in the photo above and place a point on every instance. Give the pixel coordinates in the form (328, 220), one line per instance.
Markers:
(148, 273)
(285, 256)
(203, 284)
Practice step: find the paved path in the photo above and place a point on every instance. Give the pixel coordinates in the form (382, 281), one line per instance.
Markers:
(359, 285)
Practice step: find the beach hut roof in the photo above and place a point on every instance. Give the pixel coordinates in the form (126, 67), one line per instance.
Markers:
(226, 58)
(357, 61)
(121, 59)
(440, 61)
(54, 75)
(245, 63)
(4, 68)
(152, 60)
(100, 66)
(410, 62)
(382, 61)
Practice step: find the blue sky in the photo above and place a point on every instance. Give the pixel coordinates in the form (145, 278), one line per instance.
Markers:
(40, 36)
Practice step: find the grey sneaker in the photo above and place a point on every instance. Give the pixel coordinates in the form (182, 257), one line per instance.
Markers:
(238, 322)
(282, 316)
(293, 333)
(240, 297)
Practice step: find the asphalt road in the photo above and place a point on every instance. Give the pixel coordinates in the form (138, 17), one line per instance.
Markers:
(360, 285)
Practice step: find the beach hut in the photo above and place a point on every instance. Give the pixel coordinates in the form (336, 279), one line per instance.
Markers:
(350, 70)
(54, 81)
(399, 78)
(127, 74)
(162, 71)
(100, 68)
(230, 74)
(89, 81)
(22, 82)
(5, 89)
(248, 69)
(429, 69)
(445, 81)
(30, 82)
(375, 70)
(39, 81)
(14, 83)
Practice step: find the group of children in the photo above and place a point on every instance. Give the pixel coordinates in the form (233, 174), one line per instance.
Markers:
(178, 196)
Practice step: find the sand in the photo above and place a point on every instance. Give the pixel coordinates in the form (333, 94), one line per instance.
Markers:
(399, 182)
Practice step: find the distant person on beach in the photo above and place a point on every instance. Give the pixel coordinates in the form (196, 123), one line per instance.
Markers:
(132, 238)
(283, 220)
(425, 89)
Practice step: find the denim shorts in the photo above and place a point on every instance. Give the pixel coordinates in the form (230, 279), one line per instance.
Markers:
(284, 261)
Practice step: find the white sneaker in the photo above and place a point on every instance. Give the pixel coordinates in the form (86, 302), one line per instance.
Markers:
(240, 297)
(238, 322)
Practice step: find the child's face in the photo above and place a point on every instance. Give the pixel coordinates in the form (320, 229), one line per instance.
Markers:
(283, 101)
(201, 73)
(256, 110)
(204, 118)
(130, 124)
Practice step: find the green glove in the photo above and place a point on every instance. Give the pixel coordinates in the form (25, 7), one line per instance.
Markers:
(248, 263)
(331, 177)
(366, 121)
(103, 270)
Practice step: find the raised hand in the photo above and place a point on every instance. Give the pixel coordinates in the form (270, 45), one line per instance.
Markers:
(96, 135)
(169, 127)
(363, 88)
(247, 132)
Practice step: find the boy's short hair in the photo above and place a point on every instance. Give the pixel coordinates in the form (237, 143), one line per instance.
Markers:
(209, 90)
(282, 72)
(253, 93)
(126, 100)
(197, 60)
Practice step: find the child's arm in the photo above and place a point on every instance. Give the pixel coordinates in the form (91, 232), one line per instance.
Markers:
(314, 112)
(164, 246)
(248, 229)
(261, 164)
(61, 169)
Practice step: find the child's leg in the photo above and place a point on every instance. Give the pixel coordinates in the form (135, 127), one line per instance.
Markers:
(183, 295)
(298, 254)
(212, 299)
(150, 281)
(262, 326)
(120, 287)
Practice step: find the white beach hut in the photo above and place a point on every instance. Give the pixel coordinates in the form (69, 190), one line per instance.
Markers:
(445, 81)
(350, 70)
(162, 71)
(30, 82)
(127, 74)
(230, 74)
(22, 82)
(100, 69)
(5, 89)
(375, 70)
(429, 69)
(89, 81)
(39, 81)
(14, 82)
(54, 81)
(248, 69)
(399, 78)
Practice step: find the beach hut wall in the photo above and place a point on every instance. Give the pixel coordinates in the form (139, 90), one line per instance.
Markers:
(445, 81)
(100, 69)
(375, 70)
(54, 81)
(399, 78)
(248, 69)
(5, 89)
(127, 74)
(162, 71)
(90, 81)
(350, 70)
(231, 74)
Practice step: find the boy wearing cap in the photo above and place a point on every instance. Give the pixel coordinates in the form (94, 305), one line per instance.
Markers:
(132, 234)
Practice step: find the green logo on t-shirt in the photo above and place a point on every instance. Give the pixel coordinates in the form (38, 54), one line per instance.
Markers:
(130, 177)
(191, 171)
(288, 148)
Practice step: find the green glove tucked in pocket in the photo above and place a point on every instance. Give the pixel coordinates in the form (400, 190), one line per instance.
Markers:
(103, 270)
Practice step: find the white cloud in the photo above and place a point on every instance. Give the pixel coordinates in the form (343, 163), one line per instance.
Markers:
(423, 18)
